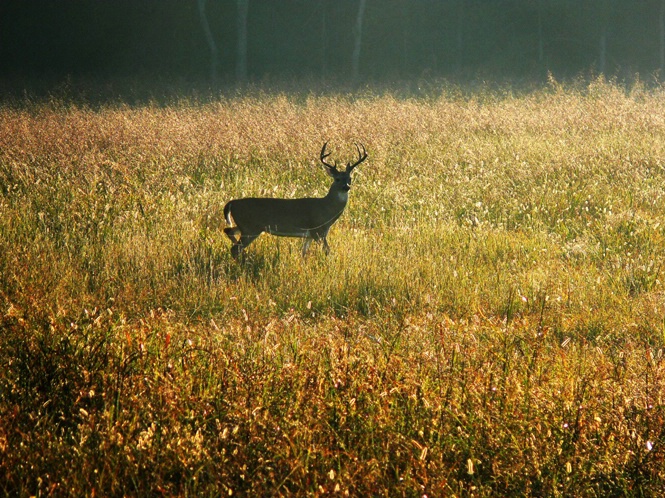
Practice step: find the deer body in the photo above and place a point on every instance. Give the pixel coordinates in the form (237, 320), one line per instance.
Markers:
(309, 218)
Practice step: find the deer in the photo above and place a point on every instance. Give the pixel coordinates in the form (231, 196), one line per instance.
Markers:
(309, 218)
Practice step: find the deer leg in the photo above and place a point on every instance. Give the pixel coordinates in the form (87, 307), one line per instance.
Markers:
(305, 246)
(236, 249)
(241, 244)
(326, 247)
(232, 233)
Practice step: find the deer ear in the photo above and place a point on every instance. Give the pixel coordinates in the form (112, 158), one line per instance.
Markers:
(331, 172)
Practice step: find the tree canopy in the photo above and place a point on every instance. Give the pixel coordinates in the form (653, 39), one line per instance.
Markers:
(305, 38)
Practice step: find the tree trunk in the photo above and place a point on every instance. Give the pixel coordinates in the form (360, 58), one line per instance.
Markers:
(214, 53)
(605, 15)
(406, 32)
(602, 64)
(241, 61)
(357, 38)
(662, 38)
(459, 35)
(324, 38)
(541, 41)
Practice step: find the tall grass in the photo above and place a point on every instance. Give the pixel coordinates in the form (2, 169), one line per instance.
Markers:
(490, 320)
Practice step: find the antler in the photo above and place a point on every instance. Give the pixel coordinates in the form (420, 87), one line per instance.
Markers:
(331, 167)
(361, 157)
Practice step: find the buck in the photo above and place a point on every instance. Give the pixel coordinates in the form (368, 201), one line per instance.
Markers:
(308, 218)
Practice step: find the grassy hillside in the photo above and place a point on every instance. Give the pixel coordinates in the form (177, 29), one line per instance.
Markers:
(490, 319)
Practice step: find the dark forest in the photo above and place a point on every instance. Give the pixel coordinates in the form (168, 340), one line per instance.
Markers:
(391, 39)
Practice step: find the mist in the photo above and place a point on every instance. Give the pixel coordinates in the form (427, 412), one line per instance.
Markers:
(335, 41)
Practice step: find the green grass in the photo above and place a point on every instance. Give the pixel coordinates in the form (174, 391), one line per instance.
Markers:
(490, 320)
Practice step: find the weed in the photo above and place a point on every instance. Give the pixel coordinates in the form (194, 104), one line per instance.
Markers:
(490, 319)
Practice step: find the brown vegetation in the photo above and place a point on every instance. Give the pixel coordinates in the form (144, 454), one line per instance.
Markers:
(490, 319)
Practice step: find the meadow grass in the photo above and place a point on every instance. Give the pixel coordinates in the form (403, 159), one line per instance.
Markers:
(491, 320)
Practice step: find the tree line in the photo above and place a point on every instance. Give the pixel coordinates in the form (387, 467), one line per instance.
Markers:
(340, 40)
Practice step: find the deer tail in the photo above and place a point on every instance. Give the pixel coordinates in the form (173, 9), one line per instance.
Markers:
(227, 213)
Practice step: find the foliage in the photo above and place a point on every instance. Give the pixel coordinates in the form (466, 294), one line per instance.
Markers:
(405, 39)
(490, 320)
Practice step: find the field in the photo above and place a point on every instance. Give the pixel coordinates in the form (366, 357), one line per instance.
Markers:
(490, 321)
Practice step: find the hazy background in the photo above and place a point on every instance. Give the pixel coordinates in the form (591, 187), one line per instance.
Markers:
(401, 39)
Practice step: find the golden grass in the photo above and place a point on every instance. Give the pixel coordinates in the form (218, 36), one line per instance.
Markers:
(490, 320)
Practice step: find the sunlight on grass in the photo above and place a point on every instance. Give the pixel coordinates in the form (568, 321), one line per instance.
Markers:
(490, 319)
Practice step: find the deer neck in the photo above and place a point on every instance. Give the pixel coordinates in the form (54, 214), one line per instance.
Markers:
(338, 196)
